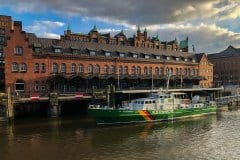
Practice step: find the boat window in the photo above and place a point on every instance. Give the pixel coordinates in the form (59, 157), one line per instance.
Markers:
(153, 101)
(142, 102)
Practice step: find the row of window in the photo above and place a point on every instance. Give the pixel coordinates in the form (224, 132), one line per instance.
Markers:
(19, 67)
(107, 69)
(123, 70)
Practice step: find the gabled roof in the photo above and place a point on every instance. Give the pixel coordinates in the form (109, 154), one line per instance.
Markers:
(228, 52)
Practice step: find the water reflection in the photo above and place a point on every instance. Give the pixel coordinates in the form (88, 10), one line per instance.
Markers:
(211, 137)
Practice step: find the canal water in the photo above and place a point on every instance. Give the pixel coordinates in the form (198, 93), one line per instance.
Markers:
(78, 138)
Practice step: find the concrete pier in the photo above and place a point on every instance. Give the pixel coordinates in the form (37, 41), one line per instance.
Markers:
(54, 107)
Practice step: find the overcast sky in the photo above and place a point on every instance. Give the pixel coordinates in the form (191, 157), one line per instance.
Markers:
(211, 25)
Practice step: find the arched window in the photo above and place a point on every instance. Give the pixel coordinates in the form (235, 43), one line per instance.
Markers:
(97, 69)
(189, 72)
(133, 70)
(19, 85)
(156, 71)
(106, 69)
(43, 67)
(55, 68)
(14, 67)
(193, 72)
(23, 67)
(63, 68)
(36, 67)
(120, 70)
(81, 68)
(112, 69)
(171, 71)
(150, 70)
(125, 70)
(145, 70)
(177, 71)
(180, 71)
(167, 71)
(161, 71)
(90, 68)
(73, 68)
(138, 70)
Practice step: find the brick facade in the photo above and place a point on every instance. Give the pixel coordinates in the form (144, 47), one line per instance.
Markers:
(226, 66)
(30, 62)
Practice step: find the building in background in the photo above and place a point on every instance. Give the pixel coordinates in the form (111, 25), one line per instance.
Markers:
(226, 69)
(78, 62)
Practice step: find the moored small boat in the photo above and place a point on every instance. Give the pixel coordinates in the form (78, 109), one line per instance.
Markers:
(156, 107)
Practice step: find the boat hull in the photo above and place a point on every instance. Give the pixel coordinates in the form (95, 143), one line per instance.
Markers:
(111, 116)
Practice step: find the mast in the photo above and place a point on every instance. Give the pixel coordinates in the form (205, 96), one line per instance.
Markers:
(168, 78)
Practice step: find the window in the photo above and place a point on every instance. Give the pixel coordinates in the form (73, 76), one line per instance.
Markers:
(1, 47)
(120, 70)
(135, 55)
(14, 67)
(97, 69)
(75, 51)
(107, 54)
(150, 70)
(18, 51)
(81, 68)
(73, 68)
(145, 70)
(161, 71)
(37, 49)
(106, 69)
(63, 68)
(23, 67)
(138, 70)
(43, 67)
(1, 54)
(58, 50)
(125, 70)
(92, 53)
(90, 68)
(147, 56)
(19, 85)
(112, 69)
(2, 39)
(157, 71)
(2, 31)
(157, 57)
(177, 71)
(55, 68)
(36, 86)
(133, 70)
(36, 67)
(121, 54)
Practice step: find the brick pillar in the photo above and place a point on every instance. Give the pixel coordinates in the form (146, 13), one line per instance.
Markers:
(54, 109)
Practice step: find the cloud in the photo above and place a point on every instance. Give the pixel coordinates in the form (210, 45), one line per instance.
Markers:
(211, 25)
(128, 11)
(44, 28)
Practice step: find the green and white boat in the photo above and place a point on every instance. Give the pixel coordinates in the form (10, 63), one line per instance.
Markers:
(157, 107)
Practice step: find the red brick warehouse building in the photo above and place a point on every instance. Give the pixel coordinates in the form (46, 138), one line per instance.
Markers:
(77, 62)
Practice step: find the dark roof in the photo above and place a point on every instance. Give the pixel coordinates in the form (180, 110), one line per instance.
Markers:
(47, 44)
(228, 52)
